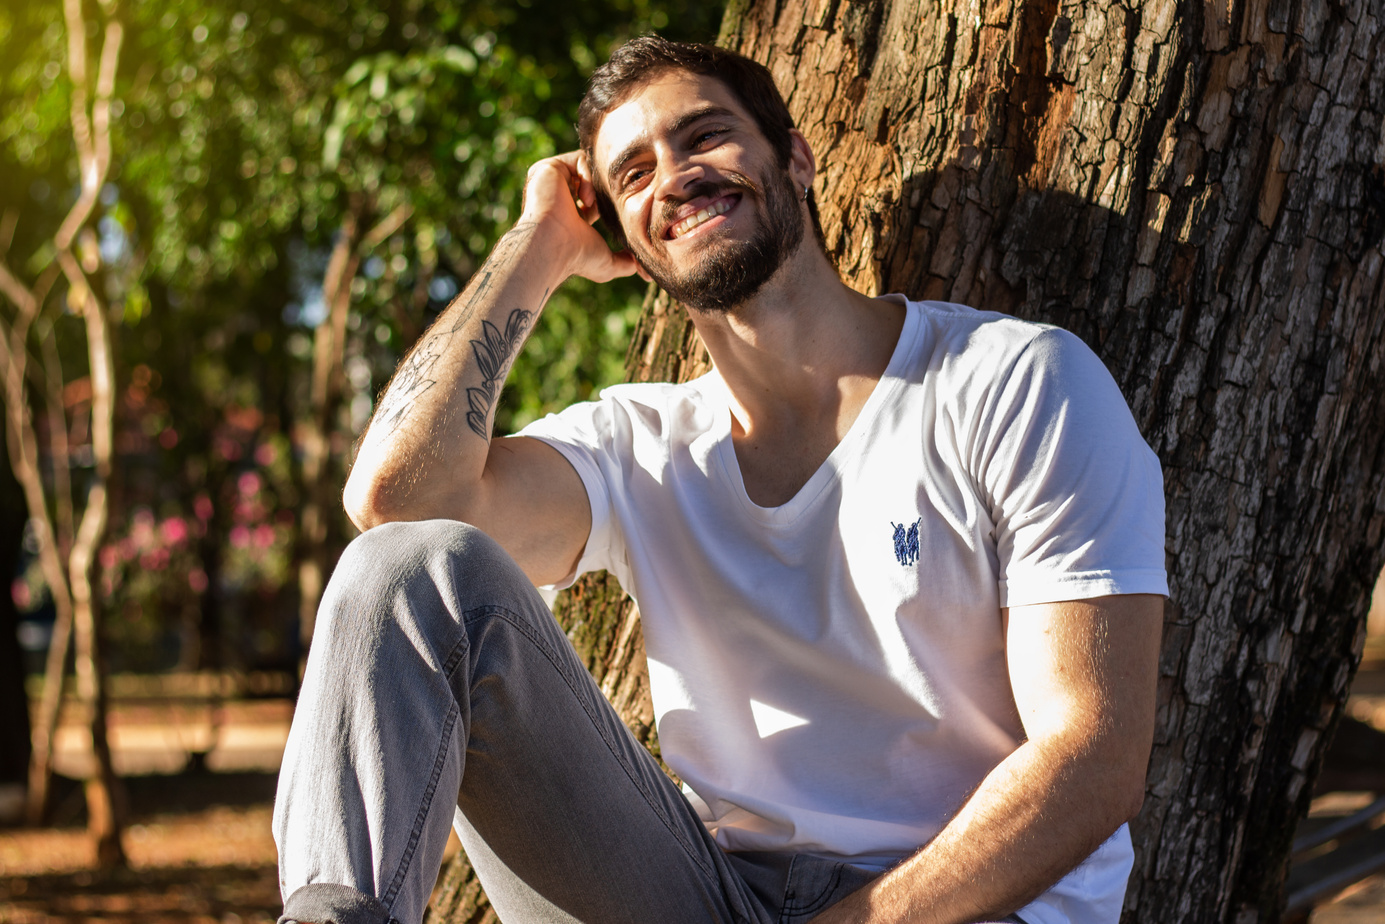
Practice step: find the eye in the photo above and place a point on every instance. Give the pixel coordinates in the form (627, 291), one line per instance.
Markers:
(707, 136)
(632, 177)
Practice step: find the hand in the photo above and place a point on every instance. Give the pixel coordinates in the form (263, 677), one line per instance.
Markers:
(559, 197)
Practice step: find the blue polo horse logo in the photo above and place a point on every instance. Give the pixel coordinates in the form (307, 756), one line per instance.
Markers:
(906, 542)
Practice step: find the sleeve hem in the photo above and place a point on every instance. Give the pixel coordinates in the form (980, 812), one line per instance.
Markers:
(1082, 585)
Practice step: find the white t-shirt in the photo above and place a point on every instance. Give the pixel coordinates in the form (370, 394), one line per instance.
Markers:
(829, 675)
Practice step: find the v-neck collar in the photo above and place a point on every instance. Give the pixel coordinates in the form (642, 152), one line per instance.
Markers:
(837, 460)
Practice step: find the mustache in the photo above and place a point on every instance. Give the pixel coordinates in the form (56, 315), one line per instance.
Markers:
(708, 188)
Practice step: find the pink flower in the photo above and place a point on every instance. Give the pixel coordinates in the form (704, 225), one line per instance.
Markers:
(197, 580)
(173, 530)
(168, 438)
(264, 536)
(265, 454)
(110, 556)
(240, 536)
(249, 483)
(202, 507)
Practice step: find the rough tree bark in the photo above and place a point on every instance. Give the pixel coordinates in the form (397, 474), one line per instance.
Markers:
(1198, 191)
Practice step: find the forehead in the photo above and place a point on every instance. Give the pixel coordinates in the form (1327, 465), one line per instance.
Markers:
(656, 108)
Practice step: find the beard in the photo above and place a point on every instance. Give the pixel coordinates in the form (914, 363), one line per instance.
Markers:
(729, 273)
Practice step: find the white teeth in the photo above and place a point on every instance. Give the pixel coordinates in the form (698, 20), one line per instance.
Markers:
(692, 221)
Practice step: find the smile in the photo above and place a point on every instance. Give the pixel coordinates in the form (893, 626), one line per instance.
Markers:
(701, 216)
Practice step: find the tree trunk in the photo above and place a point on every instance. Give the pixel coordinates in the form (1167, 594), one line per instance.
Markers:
(1197, 191)
(321, 483)
(329, 347)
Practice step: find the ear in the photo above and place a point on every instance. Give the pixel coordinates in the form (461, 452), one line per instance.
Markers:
(803, 167)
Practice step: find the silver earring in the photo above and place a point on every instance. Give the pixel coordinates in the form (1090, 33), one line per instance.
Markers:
(805, 194)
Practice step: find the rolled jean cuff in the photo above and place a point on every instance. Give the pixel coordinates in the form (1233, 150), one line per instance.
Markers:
(330, 903)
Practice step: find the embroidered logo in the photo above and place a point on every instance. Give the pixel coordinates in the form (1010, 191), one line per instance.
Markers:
(906, 542)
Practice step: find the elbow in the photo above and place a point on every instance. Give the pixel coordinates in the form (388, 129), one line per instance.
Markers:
(1132, 799)
(358, 506)
(372, 498)
(369, 503)
(1123, 794)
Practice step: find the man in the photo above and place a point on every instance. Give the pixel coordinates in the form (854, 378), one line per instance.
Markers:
(899, 566)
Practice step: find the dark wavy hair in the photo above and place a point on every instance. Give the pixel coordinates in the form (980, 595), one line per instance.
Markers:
(640, 60)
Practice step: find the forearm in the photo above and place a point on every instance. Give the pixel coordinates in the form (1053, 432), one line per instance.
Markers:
(1083, 675)
(430, 435)
(1031, 821)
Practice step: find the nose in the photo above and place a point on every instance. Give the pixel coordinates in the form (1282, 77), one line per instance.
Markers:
(677, 174)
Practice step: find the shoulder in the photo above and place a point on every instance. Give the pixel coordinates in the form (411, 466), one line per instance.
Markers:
(987, 348)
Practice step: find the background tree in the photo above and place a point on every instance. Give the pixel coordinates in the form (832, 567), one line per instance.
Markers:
(68, 551)
(1197, 191)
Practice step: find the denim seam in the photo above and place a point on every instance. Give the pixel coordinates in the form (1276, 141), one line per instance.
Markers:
(541, 644)
(821, 899)
(425, 806)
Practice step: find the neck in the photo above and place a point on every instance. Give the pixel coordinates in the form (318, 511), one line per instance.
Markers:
(803, 348)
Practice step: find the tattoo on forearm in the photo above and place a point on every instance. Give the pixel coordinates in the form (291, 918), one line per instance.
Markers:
(493, 357)
(409, 382)
(414, 376)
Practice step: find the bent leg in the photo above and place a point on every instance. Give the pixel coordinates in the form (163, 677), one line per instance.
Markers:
(438, 677)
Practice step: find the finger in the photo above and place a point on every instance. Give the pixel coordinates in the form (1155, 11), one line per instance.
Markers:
(586, 190)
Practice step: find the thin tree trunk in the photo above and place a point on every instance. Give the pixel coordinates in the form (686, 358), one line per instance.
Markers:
(1196, 190)
(92, 133)
(103, 797)
(321, 485)
(329, 347)
(22, 445)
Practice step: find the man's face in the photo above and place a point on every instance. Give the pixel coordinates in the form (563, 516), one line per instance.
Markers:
(705, 207)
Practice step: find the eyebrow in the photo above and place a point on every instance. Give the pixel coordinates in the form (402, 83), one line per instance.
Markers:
(633, 149)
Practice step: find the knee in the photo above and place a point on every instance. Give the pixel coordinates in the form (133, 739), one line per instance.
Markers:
(444, 559)
(393, 550)
(406, 580)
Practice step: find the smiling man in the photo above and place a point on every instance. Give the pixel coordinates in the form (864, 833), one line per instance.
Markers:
(899, 565)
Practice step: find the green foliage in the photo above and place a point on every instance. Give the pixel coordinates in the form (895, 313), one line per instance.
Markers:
(245, 133)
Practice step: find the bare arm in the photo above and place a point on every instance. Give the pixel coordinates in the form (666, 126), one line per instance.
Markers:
(1083, 675)
(428, 452)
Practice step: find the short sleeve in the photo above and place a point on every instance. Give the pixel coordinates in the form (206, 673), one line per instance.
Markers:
(1076, 496)
(581, 433)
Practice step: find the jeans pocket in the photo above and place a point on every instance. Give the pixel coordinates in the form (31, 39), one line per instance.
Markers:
(815, 884)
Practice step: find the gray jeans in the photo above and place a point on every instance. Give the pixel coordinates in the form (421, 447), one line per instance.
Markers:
(440, 690)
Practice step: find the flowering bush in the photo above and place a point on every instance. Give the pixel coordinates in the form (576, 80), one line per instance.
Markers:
(152, 578)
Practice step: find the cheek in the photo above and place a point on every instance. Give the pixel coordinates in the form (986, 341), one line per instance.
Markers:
(635, 217)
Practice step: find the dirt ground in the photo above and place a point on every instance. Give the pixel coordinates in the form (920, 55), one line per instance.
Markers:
(199, 841)
(199, 848)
